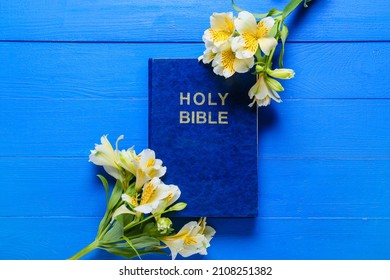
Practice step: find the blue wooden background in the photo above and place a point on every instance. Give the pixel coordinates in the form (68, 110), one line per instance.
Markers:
(71, 71)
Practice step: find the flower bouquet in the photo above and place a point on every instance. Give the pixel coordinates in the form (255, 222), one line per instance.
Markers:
(238, 44)
(134, 223)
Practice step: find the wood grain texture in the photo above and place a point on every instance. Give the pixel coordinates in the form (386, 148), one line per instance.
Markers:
(180, 21)
(303, 128)
(62, 127)
(72, 71)
(326, 128)
(52, 70)
(59, 238)
(300, 188)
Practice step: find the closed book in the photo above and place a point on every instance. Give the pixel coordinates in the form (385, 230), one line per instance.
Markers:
(201, 127)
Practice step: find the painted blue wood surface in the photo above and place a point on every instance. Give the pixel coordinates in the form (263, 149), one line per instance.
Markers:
(72, 71)
(184, 21)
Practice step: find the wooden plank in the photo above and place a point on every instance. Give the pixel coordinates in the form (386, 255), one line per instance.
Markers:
(164, 20)
(59, 238)
(46, 70)
(287, 188)
(303, 128)
(325, 128)
(324, 188)
(69, 127)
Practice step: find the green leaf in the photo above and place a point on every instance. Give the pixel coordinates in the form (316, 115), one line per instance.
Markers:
(144, 241)
(132, 246)
(291, 7)
(112, 202)
(115, 196)
(105, 185)
(283, 37)
(259, 16)
(238, 9)
(114, 234)
(124, 219)
(130, 254)
(123, 252)
(272, 12)
(149, 227)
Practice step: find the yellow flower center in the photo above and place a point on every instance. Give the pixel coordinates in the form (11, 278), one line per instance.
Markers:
(229, 25)
(169, 197)
(227, 60)
(147, 193)
(190, 240)
(150, 162)
(261, 30)
(219, 35)
(133, 201)
(250, 42)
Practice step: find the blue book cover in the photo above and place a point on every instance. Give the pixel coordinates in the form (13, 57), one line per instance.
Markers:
(201, 127)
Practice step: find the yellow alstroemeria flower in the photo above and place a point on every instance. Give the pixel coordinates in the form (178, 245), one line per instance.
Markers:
(226, 63)
(220, 31)
(264, 90)
(193, 238)
(153, 194)
(104, 155)
(253, 35)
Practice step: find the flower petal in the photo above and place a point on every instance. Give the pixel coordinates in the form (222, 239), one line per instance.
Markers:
(122, 210)
(267, 44)
(222, 21)
(266, 23)
(245, 22)
(243, 65)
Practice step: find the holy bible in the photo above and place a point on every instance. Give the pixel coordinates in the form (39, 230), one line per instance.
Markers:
(201, 127)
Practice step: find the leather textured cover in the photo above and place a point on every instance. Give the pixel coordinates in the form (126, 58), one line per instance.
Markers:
(202, 129)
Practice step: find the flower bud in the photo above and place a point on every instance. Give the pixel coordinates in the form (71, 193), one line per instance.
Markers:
(178, 206)
(259, 68)
(163, 225)
(282, 73)
(274, 84)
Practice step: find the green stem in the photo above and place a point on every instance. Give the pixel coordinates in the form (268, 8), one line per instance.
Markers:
(85, 250)
(291, 6)
(132, 224)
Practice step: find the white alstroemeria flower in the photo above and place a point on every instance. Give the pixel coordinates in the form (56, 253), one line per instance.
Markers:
(253, 35)
(128, 160)
(263, 90)
(130, 200)
(226, 63)
(208, 56)
(220, 31)
(153, 193)
(193, 238)
(174, 194)
(147, 167)
(122, 210)
(104, 155)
